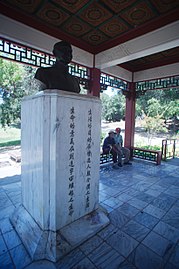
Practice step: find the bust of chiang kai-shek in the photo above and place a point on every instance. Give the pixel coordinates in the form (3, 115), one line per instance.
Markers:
(57, 76)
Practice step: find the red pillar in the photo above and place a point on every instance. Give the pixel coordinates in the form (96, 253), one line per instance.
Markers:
(94, 86)
(130, 117)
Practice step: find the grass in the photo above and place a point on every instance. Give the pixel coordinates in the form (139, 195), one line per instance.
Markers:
(10, 136)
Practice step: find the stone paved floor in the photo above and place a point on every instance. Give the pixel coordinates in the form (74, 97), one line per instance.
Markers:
(143, 206)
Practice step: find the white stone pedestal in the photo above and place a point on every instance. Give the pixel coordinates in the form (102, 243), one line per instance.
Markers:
(60, 144)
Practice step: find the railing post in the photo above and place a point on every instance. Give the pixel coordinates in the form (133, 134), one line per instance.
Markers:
(174, 149)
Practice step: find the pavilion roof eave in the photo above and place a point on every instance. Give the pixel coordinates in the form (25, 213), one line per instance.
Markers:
(157, 72)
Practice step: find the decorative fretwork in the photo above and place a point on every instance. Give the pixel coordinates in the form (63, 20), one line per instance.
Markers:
(147, 154)
(79, 71)
(27, 55)
(162, 83)
(19, 53)
(114, 82)
(105, 158)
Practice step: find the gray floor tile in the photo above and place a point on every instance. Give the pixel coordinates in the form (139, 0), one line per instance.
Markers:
(111, 191)
(173, 191)
(4, 201)
(113, 202)
(170, 266)
(163, 203)
(107, 208)
(71, 260)
(6, 262)
(136, 230)
(142, 186)
(139, 204)
(164, 196)
(108, 231)
(105, 257)
(172, 217)
(124, 197)
(12, 240)
(154, 193)
(84, 264)
(116, 185)
(174, 259)
(12, 188)
(102, 186)
(6, 212)
(132, 192)
(42, 264)
(91, 244)
(20, 257)
(3, 247)
(143, 258)
(128, 210)
(5, 226)
(159, 186)
(167, 231)
(158, 244)
(145, 197)
(117, 218)
(103, 196)
(154, 211)
(146, 220)
(16, 199)
(126, 265)
(122, 242)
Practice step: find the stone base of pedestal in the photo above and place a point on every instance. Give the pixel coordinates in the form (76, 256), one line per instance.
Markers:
(50, 245)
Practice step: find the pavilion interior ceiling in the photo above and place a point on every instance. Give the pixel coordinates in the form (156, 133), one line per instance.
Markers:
(96, 26)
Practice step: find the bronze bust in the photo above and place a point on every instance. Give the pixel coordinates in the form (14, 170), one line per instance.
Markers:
(57, 76)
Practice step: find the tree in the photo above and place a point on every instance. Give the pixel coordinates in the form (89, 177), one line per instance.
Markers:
(153, 125)
(113, 107)
(15, 83)
(153, 121)
(163, 103)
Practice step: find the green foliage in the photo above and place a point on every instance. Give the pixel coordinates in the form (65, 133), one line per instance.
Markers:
(10, 143)
(160, 105)
(154, 147)
(113, 108)
(102, 137)
(10, 136)
(15, 83)
(165, 102)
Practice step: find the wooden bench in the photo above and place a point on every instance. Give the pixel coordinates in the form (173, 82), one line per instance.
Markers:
(147, 154)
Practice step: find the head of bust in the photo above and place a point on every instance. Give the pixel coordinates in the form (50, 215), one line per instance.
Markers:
(63, 52)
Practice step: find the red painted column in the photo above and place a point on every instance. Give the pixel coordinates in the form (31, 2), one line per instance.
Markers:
(130, 117)
(94, 85)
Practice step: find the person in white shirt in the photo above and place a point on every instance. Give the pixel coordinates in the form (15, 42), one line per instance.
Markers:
(124, 151)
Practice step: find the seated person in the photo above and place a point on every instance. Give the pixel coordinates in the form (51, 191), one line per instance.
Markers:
(57, 76)
(119, 142)
(109, 146)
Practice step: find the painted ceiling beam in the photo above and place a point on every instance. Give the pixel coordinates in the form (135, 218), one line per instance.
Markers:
(159, 40)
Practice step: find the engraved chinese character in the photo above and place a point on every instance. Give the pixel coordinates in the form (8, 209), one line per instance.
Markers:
(71, 178)
(71, 185)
